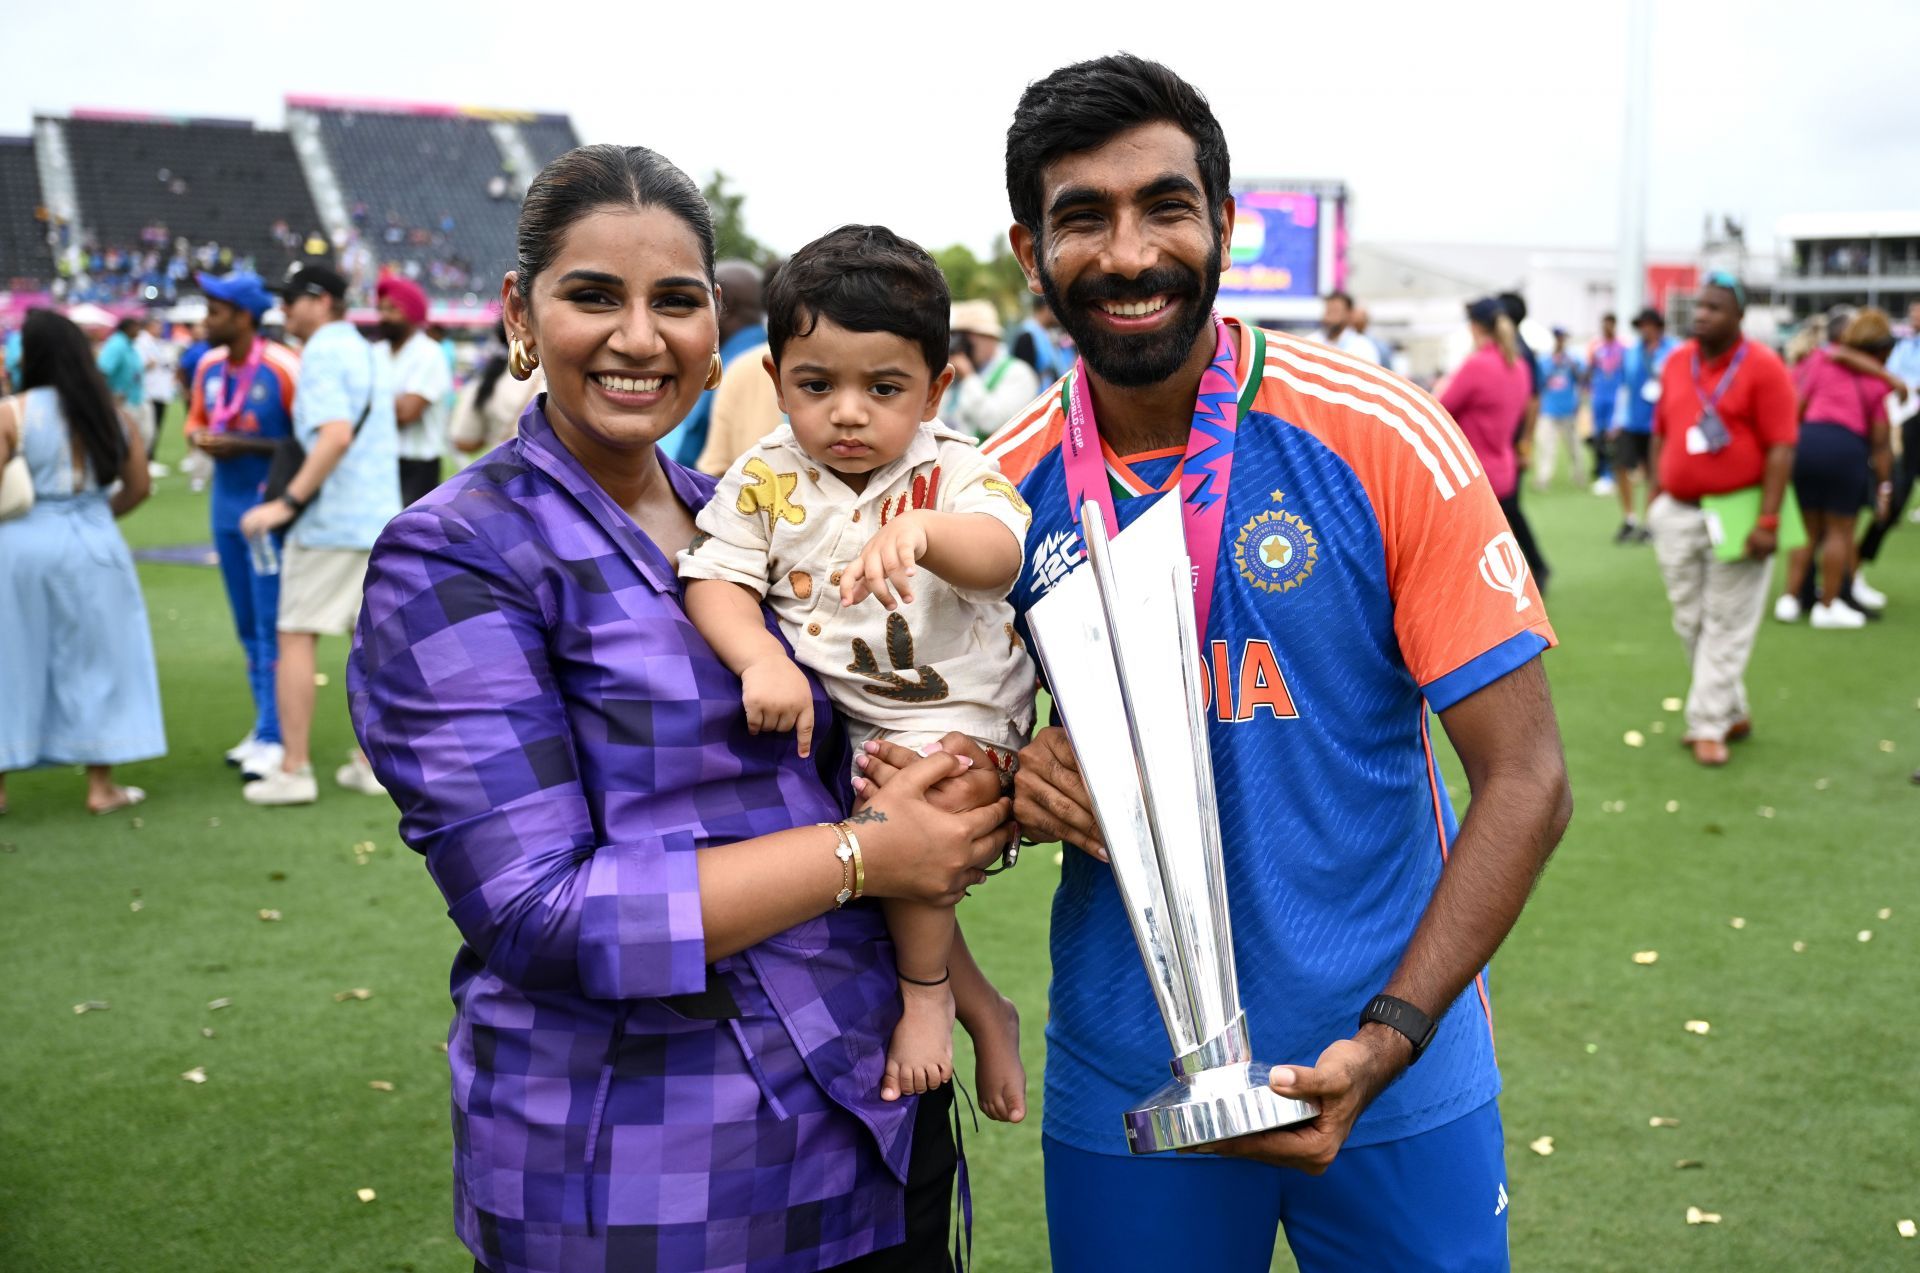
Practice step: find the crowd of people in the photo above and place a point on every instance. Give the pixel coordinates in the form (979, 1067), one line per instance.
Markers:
(727, 638)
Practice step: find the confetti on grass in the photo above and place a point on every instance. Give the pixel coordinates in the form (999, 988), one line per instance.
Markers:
(1864, 935)
(1698, 1027)
(1696, 1216)
(1906, 1228)
(1687, 1164)
(368, 1195)
(1799, 948)
(91, 1005)
(214, 1005)
(198, 1074)
(1646, 956)
(1543, 1146)
(1886, 744)
(1885, 912)
(1673, 806)
(270, 917)
(1658, 1121)
(1766, 811)
(1738, 921)
(1670, 704)
(380, 1085)
(1634, 738)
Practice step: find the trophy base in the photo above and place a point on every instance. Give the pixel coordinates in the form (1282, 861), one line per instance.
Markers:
(1215, 1104)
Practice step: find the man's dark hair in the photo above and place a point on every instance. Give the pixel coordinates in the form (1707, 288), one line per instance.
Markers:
(1345, 298)
(1608, 317)
(865, 278)
(1084, 106)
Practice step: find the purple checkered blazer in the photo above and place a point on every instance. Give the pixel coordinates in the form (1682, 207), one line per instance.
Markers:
(560, 742)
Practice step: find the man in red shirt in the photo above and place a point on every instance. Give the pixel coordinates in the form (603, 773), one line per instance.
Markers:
(1727, 421)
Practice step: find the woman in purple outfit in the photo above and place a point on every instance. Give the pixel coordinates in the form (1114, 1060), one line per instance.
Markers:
(671, 1012)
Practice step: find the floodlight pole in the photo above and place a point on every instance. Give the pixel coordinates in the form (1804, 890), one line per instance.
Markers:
(1630, 257)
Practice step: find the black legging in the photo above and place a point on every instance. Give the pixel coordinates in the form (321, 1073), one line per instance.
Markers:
(1523, 536)
(1904, 473)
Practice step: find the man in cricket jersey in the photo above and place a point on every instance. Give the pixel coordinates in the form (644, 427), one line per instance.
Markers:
(1353, 571)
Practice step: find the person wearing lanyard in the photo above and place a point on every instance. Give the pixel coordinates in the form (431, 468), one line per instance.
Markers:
(240, 407)
(1726, 421)
(1353, 570)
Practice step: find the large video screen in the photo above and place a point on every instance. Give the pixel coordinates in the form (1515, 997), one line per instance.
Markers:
(1276, 244)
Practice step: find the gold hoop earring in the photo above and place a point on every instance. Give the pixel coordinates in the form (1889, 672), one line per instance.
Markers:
(714, 368)
(521, 361)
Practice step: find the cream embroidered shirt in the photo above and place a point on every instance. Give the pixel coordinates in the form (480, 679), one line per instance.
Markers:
(786, 526)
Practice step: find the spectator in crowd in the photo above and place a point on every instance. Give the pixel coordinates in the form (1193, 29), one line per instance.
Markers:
(1606, 369)
(190, 357)
(10, 368)
(159, 370)
(746, 408)
(421, 383)
(1336, 328)
(1362, 322)
(989, 384)
(1843, 431)
(240, 407)
(119, 360)
(347, 489)
(1725, 422)
(1903, 364)
(487, 411)
(78, 684)
(1514, 306)
(1036, 342)
(743, 327)
(1485, 396)
(1632, 433)
(1560, 375)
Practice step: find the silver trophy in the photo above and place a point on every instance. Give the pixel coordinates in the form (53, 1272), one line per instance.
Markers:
(1118, 641)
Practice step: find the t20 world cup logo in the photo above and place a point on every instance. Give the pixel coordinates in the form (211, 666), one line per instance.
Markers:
(1504, 569)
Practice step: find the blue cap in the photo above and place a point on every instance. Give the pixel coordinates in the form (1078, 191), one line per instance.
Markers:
(242, 289)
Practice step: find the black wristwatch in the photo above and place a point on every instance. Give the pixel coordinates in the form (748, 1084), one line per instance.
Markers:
(298, 506)
(1398, 1014)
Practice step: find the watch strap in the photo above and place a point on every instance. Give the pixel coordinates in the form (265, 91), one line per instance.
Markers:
(1398, 1014)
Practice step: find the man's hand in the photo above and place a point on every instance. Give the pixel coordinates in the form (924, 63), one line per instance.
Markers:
(1050, 799)
(1344, 1081)
(264, 519)
(1761, 542)
(777, 698)
(886, 566)
(218, 445)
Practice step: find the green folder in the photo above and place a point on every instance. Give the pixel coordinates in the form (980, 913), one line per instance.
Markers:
(1731, 518)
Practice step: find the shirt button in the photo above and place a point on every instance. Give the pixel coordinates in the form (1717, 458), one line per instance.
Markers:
(813, 629)
(856, 515)
(834, 578)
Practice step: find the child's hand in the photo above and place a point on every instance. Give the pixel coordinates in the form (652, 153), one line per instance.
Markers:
(888, 563)
(778, 698)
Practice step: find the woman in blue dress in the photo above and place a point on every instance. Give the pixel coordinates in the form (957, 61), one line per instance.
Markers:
(77, 680)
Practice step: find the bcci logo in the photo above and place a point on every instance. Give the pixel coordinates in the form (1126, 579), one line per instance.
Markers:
(1275, 551)
(1504, 569)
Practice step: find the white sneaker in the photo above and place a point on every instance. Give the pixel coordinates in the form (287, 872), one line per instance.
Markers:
(238, 753)
(355, 775)
(264, 759)
(1603, 486)
(1869, 597)
(281, 787)
(1837, 615)
(157, 470)
(1787, 608)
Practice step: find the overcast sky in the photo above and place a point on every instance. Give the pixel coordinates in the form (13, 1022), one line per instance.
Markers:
(1462, 122)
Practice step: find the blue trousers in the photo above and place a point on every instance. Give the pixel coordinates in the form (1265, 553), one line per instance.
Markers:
(255, 600)
(1428, 1202)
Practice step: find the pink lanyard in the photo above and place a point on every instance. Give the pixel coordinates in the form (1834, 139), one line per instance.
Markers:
(1205, 469)
(234, 395)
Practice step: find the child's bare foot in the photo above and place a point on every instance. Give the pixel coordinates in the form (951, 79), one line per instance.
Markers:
(999, 1076)
(920, 1054)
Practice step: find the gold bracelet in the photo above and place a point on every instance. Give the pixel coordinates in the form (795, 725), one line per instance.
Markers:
(845, 852)
(859, 863)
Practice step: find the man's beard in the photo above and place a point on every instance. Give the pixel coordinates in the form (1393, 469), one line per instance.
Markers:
(394, 334)
(1134, 361)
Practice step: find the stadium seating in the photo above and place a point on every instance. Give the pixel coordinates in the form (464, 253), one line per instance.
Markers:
(421, 191)
(25, 258)
(207, 181)
(548, 137)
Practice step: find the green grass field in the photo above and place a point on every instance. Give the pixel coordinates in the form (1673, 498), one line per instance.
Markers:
(1798, 1106)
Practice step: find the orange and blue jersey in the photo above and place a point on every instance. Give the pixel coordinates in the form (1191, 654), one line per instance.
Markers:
(1365, 575)
(267, 413)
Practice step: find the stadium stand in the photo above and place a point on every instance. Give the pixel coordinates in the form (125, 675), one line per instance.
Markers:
(192, 193)
(548, 137)
(25, 259)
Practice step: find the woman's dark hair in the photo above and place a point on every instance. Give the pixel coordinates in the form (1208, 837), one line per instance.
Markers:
(55, 353)
(1083, 106)
(589, 178)
(490, 373)
(865, 278)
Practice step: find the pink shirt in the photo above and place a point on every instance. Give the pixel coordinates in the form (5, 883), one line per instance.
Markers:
(1839, 395)
(1487, 397)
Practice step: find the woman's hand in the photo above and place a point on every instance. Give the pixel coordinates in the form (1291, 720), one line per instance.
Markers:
(915, 850)
(975, 787)
(887, 564)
